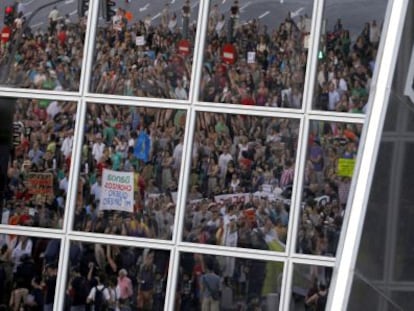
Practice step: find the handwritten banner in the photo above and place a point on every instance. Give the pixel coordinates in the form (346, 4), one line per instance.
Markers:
(117, 192)
(346, 167)
(40, 183)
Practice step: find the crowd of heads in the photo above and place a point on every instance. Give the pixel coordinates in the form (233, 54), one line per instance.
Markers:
(244, 284)
(28, 272)
(145, 141)
(240, 182)
(143, 58)
(129, 278)
(40, 156)
(47, 59)
(270, 64)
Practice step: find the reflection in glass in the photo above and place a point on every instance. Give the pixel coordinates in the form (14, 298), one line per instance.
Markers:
(331, 157)
(256, 53)
(130, 278)
(131, 161)
(310, 287)
(146, 50)
(347, 54)
(241, 181)
(225, 283)
(38, 167)
(28, 272)
(44, 49)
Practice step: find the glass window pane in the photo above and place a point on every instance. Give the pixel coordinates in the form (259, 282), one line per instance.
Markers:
(130, 278)
(44, 45)
(256, 53)
(348, 49)
(145, 50)
(330, 162)
(245, 284)
(37, 163)
(310, 287)
(28, 271)
(131, 161)
(241, 181)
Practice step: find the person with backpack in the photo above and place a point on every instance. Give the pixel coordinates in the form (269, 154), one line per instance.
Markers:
(99, 296)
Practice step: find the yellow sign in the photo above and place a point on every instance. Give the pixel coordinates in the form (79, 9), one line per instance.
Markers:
(346, 167)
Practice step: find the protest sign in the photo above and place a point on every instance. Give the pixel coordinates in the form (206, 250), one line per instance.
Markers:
(117, 192)
(346, 167)
(40, 183)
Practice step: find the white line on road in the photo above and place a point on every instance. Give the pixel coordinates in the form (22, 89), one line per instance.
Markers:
(144, 8)
(264, 14)
(37, 25)
(245, 6)
(73, 13)
(28, 13)
(156, 16)
(172, 1)
(296, 13)
(28, 2)
(224, 1)
(69, 1)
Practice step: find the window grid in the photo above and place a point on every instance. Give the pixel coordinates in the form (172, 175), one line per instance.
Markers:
(289, 258)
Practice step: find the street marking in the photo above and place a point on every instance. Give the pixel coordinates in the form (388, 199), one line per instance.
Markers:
(69, 1)
(264, 14)
(144, 8)
(37, 25)
(28, 2)
(28, 13)
(156, 16)
(224, 1)
(73, 13)
(296, 13)
(172, 1)
(245, 6)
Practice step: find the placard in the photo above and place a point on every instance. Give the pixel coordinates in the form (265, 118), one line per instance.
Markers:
(346, 167)
(40, 183)
(117, 191)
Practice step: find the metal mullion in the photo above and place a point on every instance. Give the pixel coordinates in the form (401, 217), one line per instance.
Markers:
(335, 118)
(121, 240)
(130, 101)
(198, 56)
(92, 25)
(31, 231)
(62, 275)
(295, 209)
(354, 218)
(120, 98)
(312, 61)
(70, 203)
(40, 95)
(171, 287)
(340, 115)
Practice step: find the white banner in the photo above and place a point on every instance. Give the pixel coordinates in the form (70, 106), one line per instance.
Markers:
(140, 40)
(117, 191)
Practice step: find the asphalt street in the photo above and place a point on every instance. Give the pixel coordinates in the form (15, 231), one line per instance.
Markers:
(354, 13)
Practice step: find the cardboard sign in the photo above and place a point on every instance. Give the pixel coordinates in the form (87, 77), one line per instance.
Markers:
(40, 183)
(346, 167)
(117, 192)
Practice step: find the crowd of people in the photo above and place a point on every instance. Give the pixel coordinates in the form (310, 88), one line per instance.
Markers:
(270, 64)
(143, 58)
(28, 272)
(40, 156)
(48, 59)
(110, 277)
(204, 285)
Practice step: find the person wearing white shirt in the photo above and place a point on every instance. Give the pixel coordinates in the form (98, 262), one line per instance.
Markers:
(98, 148)
(67, 144)
(223, 161)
